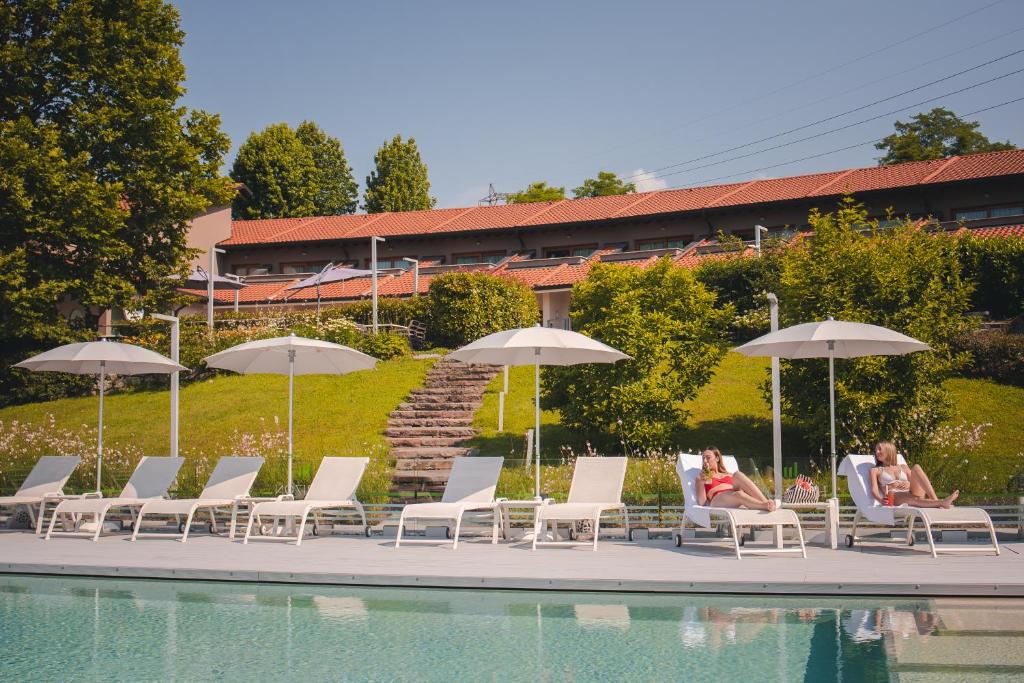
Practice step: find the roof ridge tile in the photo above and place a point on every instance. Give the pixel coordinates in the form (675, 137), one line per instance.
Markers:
(942, 167)
(818, 190)
(738, 188)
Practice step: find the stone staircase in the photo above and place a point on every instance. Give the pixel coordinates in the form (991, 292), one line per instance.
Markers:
(427, 430)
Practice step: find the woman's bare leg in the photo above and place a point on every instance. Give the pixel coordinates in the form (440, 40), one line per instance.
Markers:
(915, 501)
(740, 499)
(920, 485)
(741, 482)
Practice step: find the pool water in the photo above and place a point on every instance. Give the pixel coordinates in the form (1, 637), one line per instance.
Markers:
(57, 628)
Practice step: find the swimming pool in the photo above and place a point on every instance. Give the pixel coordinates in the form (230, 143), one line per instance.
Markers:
(56, 628)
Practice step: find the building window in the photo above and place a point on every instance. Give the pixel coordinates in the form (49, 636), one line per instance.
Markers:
(478, 257)
(253, 269)
(387, 262)
(583, 250)
(303, 267)
(664, 243)
(988, 212)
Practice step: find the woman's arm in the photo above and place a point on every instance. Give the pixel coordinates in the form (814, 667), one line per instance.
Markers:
(702, 495)
(875, 490)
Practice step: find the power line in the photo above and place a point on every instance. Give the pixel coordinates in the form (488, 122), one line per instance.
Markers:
(705, 181)
(833, 117)
(825, 72)
(834, 130)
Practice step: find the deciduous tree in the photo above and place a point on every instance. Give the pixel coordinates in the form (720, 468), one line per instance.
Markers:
(537, 192)
(399, 179)
(280, 172)
(605, 184)
(935, 135)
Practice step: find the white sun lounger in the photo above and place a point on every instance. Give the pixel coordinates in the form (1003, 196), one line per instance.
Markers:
(688, 467)
(230, 481)
(45, 483)
(470, 487)
(596, 488)
(150, 481)
(333, 487)
(857, 470)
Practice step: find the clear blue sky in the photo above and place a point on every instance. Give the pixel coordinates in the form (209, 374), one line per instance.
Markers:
(510, 93)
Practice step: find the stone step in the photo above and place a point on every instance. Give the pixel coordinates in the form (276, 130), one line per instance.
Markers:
(425, 464)
(438, 477)
(429, 452)
(432, 432)
(448, 408)
(400, 422)
(436, 390)
(424, 441)
(445, 397)
(432, 415)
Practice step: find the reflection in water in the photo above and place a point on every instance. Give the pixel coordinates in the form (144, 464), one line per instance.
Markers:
(147, 630)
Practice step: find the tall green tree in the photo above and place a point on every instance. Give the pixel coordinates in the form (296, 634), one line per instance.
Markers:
(900, 277)
(399, 179)
(539, 191)
(936, 134)
(280, 172)
(606, 183)
(100, 168)
(336, 189)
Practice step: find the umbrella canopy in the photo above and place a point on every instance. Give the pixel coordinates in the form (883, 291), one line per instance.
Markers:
(331, 274)
(832, 339)
(291, 356)
(199, 279)
(844, 339)
(537, 346)
(101, 358)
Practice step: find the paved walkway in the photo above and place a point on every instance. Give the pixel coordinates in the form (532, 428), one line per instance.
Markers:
(870, 569)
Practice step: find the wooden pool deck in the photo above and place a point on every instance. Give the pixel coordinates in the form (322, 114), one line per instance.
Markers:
(645, 565)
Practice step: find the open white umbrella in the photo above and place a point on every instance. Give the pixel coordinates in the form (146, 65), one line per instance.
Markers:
(291, 356)
(832, 339)
(101, 358)
(537, 346)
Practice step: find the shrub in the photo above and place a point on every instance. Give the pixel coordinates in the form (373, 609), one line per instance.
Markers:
(669, 323)
(899, 277)
(996, 266)
(385, 345)
(996, 355)
(743, 281)
(467, 306)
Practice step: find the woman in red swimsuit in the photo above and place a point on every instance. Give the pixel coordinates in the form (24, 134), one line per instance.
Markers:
(718, 488)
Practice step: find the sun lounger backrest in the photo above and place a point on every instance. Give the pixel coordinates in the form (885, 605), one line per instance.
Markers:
(472, 480)
(597, 480)
(232, 477)
(49, 475)
(337, 479)
(152, 477)
(688, 467)
(857, 470)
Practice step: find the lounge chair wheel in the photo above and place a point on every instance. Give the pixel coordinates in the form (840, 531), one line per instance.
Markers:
(316, 529)
(743, 540)
(572, 533)
(209, 527)
(849, 540)
(367, 531)
(181, 527)
(679, 540)
(448, 532)
(630, 535)
(911, 541)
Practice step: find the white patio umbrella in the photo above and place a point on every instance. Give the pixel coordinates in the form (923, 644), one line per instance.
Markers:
(291, 356)
(832, 339)
(537, 346)
(101, 358)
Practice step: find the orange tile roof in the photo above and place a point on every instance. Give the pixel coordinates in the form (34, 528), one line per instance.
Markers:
(444, 221)
(999, 231)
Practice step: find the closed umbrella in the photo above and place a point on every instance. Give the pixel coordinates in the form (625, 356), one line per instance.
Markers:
(832, 339)
(101, 358)
(537, 346)
(291, 356)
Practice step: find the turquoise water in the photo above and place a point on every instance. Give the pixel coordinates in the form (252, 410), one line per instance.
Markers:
(54, 628)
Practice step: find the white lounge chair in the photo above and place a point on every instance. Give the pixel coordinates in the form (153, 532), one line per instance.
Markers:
(230, 481)
(596, 488)
(333, 487)
(150, 481)
(45, 483)
(857, 470)
(470, 488)
(688, 467)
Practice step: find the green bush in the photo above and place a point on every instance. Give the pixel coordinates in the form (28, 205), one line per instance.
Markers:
(467, 306)
(385, 345)
(669, 324)
(996, 355)
(743, 281)
(996, 266)
(899, 277)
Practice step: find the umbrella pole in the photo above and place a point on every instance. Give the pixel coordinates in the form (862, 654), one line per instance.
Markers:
(832, 408)
(99, 448)
(318, 304)
(536, 418)
(291, 393)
